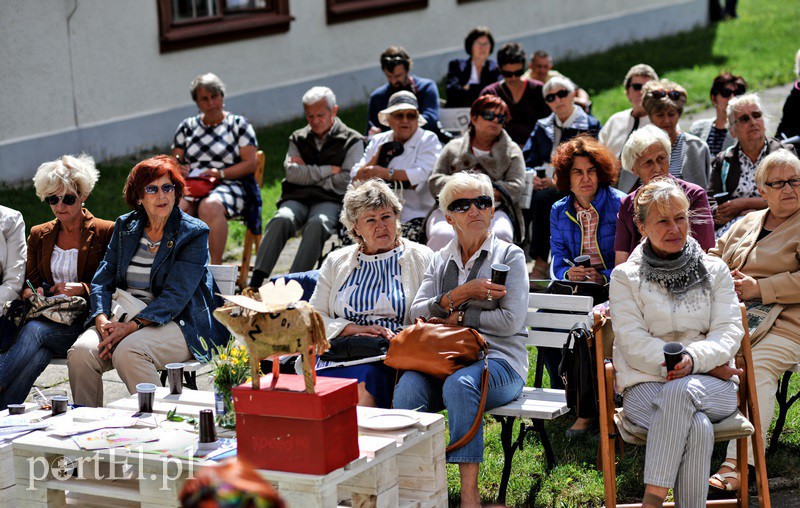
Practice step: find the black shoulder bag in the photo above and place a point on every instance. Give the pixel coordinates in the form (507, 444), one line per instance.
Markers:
(579, 372)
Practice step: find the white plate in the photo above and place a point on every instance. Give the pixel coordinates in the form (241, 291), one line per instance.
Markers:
(388, 421)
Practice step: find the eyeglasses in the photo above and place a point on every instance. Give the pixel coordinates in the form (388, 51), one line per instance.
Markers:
(672, 94)
(68, 199)
(780, 184)
(551, 97)
(408, 115)
(491, 115)
(755, 115)
(637, 86)
(167, 188)
(508, 74)
(727, 92)
(464, 204)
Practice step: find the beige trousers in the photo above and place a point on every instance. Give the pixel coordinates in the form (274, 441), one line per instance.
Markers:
(137, 358)
(772, 356)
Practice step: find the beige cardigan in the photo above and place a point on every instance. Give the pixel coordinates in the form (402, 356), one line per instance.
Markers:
(338, 266)
(774, 262)
(13, 251)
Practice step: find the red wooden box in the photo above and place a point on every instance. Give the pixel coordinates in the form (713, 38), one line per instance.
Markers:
(283, 428)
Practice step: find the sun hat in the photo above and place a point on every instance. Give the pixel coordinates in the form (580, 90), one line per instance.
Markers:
(397, 102)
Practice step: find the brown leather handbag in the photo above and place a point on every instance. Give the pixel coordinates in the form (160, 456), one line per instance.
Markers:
(440, 350)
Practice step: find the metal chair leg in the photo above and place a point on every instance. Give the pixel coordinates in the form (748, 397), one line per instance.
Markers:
(190, 380)
(538, 426)
(510, 447)
(163, 377)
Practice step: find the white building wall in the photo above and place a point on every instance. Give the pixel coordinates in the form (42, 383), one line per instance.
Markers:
(87, 75)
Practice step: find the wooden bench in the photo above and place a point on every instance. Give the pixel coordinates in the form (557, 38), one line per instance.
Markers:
(225, 277)
(784, 403)
(550, 317)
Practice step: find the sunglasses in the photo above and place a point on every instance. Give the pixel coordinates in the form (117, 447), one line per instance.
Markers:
(68, 199)
(462, 205)
(167, 188)
(727, 92)
(672, 94)
(551, 97)
(408, 115)
(508, 74)
(491, 115)
(390, 62)
(756, 115)
(780, 184)
(637, 86)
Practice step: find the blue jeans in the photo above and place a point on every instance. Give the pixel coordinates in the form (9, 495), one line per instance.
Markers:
(38, 341)
(460, 394)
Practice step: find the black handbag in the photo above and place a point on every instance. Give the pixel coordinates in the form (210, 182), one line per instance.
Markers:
(11, 321)
(579, 372)
(355, 347)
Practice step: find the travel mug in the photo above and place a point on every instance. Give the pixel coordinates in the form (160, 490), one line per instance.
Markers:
(673, 351)
(147, 395)
(499, 273)
(16, 409)
(584, 261)
(175, 376)
(208, 432)
(59, 404)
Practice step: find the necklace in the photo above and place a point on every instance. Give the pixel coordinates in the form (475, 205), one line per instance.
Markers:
(151, 246)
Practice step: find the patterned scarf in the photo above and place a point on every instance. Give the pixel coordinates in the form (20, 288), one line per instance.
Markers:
(685, 278)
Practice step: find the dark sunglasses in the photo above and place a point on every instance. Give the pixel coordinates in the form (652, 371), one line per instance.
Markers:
(746, 118)
(637, 86)
(390, 62)
(672, 94)
(167, 188)
(780, 184)
(491, 115)
(551, 97)
(408, 115)
(727, 92)
(68, 199)
(508, 74)
(462, 205)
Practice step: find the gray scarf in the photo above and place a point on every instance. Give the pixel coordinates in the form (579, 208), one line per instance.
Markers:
(680, 277)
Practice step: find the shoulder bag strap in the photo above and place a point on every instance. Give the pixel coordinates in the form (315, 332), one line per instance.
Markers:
(481, 407)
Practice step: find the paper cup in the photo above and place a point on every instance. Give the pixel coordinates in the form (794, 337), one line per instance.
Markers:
(673, 351)
(147, 395)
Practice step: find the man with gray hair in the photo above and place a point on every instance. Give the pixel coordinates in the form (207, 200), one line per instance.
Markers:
(318, 164)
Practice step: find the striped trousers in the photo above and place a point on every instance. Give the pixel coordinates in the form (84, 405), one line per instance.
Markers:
(678, 416)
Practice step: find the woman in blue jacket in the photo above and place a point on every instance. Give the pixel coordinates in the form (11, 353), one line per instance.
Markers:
(152, 295)
(585, 221)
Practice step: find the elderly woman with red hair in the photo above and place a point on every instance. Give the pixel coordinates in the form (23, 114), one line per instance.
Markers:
(152, 295)
(485, 148)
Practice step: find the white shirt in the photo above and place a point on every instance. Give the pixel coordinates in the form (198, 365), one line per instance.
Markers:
(419, 157)
(453, 251)
(615, 132)
(64, 265)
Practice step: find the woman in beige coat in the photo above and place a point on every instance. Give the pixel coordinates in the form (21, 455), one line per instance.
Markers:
(763, 252)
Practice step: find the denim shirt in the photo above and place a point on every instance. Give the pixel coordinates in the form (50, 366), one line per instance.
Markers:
(180, 281)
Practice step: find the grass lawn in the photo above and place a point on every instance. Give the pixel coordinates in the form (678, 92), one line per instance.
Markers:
(760, 45)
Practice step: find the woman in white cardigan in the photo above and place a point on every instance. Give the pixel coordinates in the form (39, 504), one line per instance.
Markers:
(367, 289)
(13, 250)
(670, 291)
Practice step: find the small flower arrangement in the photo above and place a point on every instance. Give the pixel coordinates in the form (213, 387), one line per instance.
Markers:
(230, 366)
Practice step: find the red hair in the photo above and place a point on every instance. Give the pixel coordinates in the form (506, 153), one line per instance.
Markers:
(147, 171)
(489, 102)
(584, 145)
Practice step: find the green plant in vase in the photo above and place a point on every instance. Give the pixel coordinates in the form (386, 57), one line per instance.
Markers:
(230, 366)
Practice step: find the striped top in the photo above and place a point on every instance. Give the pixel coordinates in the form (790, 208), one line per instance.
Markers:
(589, 218)
(64, 265)
(373, 293)
(676, 157)
(138, 274)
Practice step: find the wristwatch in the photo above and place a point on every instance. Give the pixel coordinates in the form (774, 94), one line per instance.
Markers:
(139, 324)
(221, 174)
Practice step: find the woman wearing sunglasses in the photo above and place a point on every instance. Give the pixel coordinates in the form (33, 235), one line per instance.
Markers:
(457, 289)
(714, 131)
(63, 255)
(523, 96)
(733, 170)
(485, 148)
(566, 121)
(152, 297)
(690, 159)
(404, 158)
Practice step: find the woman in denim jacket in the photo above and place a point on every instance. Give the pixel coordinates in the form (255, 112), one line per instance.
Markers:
(152, 296)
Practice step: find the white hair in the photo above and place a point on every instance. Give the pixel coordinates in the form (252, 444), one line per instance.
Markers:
(737, 103)
(776, 159)
(318, 93)
(66, 174)
(464, 181)
(209, 81)
(639, 141)
(558, 82)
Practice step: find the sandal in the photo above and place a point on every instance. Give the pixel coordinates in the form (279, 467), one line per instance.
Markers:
(724, 480)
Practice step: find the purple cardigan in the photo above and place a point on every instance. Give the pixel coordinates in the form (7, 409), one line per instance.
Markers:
(702, 225)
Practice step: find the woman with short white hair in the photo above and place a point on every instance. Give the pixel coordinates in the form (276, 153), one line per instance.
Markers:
(646, 155)
(733, 170)
(63, 255)
(457, 289)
